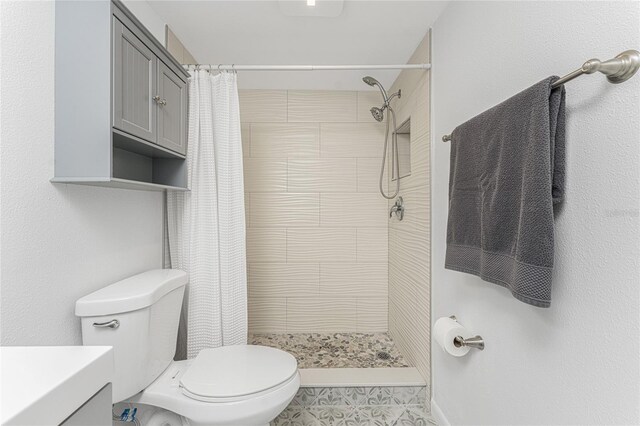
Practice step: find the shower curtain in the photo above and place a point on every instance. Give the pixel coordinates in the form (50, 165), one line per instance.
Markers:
(206, 226)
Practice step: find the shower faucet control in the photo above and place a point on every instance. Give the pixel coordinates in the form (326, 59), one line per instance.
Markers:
(398, 209)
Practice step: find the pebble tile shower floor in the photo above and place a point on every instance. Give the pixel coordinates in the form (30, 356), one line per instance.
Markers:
(337, 350)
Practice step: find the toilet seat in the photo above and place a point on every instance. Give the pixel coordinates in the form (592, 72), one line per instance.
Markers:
(233, 373)
(258, 408)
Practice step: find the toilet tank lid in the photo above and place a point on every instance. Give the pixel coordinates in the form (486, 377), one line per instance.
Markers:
(133, 293)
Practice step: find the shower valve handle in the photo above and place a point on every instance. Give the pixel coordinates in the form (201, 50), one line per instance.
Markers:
(398, 209)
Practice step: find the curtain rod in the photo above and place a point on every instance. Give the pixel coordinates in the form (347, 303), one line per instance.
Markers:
(234, 67)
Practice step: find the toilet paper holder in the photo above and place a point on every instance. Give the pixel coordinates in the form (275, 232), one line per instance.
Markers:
(476, 342)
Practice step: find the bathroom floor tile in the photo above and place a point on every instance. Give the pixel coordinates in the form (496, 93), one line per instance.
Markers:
(396, 395)
(373, 415)
(415, 416)
(295, 416)
(359, 396)
(393, 415)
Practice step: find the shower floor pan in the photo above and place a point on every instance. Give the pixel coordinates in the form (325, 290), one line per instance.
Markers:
(345, 359)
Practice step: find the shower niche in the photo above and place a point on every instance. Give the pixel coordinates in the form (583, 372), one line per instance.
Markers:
(403, 138)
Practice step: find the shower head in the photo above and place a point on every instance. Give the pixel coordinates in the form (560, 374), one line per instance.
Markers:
(373, 82)
(377, 113)
(370, 81)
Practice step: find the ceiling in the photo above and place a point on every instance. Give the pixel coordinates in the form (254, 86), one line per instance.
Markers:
(258, 32)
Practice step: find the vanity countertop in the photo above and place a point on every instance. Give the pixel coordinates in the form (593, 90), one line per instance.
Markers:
(46, 384)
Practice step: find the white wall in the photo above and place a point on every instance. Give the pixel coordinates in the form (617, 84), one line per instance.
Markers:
(576, 362)
(59, 242)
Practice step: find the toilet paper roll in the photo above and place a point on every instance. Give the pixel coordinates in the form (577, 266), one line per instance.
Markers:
(445, 331)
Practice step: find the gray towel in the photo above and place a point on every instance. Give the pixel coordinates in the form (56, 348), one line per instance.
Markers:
(507, 172)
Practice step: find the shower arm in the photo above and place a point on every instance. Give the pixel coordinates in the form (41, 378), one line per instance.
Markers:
(398, 94)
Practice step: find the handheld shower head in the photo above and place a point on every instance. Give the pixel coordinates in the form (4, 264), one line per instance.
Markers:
(373, 82)
(370, 80)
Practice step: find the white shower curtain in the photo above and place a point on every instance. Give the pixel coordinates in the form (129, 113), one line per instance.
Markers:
(206, 226)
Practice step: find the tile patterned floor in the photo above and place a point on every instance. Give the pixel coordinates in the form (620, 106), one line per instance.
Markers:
(338, 350)
(376, 406)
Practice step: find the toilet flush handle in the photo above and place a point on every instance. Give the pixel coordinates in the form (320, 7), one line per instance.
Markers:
(109, 324)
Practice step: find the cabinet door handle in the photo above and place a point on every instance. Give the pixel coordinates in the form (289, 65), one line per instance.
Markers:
(159, 101)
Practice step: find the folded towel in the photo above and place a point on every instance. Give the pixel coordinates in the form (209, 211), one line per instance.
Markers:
(507, 172)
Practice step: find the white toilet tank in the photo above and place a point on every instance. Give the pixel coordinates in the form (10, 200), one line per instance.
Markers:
(139, 317)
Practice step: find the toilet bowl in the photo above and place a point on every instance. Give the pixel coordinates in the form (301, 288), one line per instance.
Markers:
(231, 385)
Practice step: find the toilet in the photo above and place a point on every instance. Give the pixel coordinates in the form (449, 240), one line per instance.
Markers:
(231, 385)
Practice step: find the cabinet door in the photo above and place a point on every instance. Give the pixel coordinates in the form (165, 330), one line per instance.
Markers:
(134, 74)
(172, 110)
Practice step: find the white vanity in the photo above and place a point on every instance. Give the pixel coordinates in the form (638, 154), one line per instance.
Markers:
(52, 385)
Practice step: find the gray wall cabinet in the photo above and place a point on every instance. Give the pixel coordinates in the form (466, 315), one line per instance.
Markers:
(122, 122)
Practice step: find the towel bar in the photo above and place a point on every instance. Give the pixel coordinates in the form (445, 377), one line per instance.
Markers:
(618, 70)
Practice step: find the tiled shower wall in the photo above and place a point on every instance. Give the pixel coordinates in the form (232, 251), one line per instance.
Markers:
(409, 240)
(316, 225)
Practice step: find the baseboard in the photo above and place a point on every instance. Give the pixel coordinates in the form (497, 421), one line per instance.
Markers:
(438, 415)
